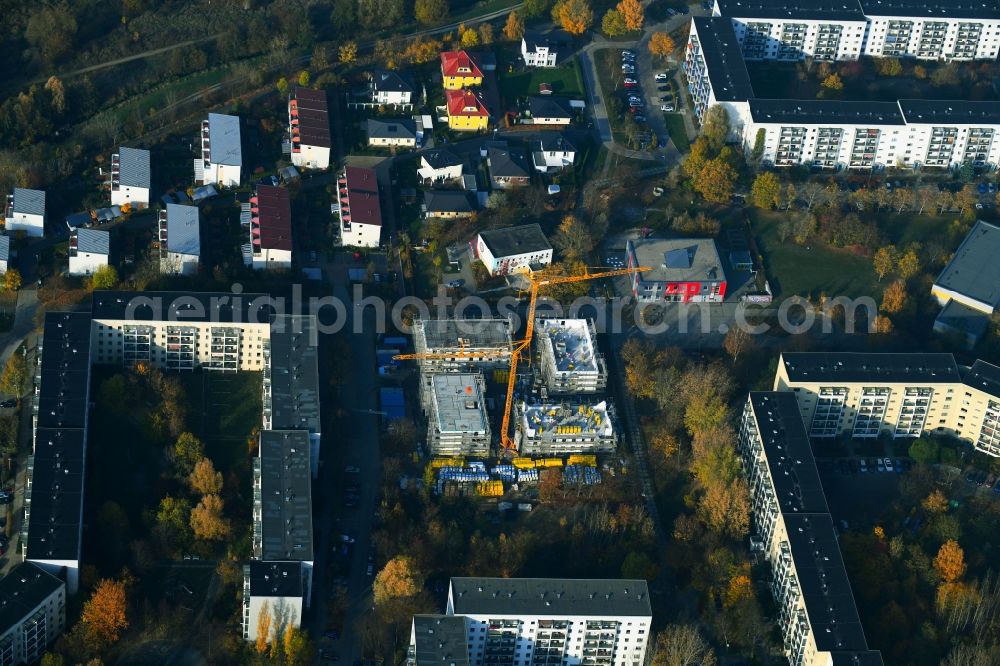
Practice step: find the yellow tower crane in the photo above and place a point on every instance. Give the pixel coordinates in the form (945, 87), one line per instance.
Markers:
(537, 281)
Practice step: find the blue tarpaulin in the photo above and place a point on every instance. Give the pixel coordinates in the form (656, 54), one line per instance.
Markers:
(393, 403)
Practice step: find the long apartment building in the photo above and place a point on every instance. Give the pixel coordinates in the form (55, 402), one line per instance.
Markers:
(438, 639)
(567, 359)
(792, 526)
(863, 395)
(32, 613)
(783, 30)
(457, 423)
(267, 222)
(179, 240)
(359, 208)
(549, 621)
(130, 179)
(716, 71)
(221, 159)
(309, 128)
(564, 428)
(282, 529)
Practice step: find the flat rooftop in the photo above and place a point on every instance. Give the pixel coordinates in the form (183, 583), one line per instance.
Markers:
(458, 404)
(65, 371)
(54, 527)
(550, 596)
(968, 9)
(313, 116)
(224, 139)
(295, 399)
(275, 579)
(274, 221)
(133, 167)
(285, 492)
(724, 63)
(826, 590)
(514, 241)
(589, 419)
(985, 377)
(974, 271)
(182, 306)
(464, 333)
(863, 367)
(826, 112)
(440, 640)
(22, 590)
(678, 260)
(950, 111)
(789, 456)
(568, 343)
(183, 229)
(818, 10)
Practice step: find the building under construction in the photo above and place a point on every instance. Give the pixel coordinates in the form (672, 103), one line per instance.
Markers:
(572, 427)
(456, 416)
(566, 357)
(490, 337)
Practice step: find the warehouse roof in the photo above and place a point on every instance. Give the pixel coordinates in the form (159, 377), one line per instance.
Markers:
(797, 485)
(274, 220)
(727, 71)
(513, 241)
(224, 139)
(295, 400)
(275, 579)
(133, 167)
(677, 259)
(29, 202)
(93, 241)
(974, 271)
(825, 112)
(550, 596)
(285, 495)
(440, 640)
(818, 10)
(313, 116)
(870, 366)
(22, 590)
(183, 229)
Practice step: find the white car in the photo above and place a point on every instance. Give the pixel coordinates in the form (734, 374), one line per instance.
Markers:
(667, 108)
(629, 81)
(626, 52)
(661, 77)
(628, 69)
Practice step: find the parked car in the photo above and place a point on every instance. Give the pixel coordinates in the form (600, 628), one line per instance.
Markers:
(631, 86)
(634, 98)
(661, 77)
(629, 81)
(6, 497)
(626, 52)
(347, 538)
(639, 118)
(370, 570)
(351, 469)
(888, 464)
(628, 69)
(455, 284)
(9, 403)
(667, 108)
(863, 465)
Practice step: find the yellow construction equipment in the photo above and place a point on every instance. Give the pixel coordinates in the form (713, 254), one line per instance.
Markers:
(537, 281)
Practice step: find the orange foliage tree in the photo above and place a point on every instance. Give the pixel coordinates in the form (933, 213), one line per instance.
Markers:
(104, 613)
(575, 16)
(950, 561)
(204, 479)
(207, 520)
(661, 44)
(398, 578)
(633, 13)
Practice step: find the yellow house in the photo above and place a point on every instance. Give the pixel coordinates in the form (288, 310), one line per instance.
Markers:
(459, 70)
(466, 111)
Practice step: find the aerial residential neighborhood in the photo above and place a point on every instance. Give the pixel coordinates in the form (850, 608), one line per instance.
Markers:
(453, 333)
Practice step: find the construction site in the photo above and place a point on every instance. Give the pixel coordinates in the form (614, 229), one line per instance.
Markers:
(567, 360)
(457, 422)
(566, 428)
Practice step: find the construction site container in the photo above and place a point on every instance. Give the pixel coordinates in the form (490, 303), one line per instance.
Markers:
(438, 463)
(524, 463)
(581, 459)
(549, 462)
(490, 489)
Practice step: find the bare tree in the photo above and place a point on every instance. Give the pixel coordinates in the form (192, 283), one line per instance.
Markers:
(810, 192)
(682, 645)
(107, 126)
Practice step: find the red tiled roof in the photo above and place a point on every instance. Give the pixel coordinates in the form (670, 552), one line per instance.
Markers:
(465, 103)
(362, 196)
(452, 61)
(274, 218)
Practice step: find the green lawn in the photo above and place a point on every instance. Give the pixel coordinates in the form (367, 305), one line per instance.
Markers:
(228, 408)
(678, 133)
(565, 80)
(811, 269)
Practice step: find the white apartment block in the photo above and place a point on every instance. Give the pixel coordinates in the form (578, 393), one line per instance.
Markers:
(275, 589)
(267, 223)
(309, 128)
(457, 423)
(179, 240)
(874, 135)
(130, 179)
(514, 249)
(32, 613)
(716, 71)
(863, 395)
(221, 160)
(539, 49)
(359, 208)
(793, 31)
(792, 527)
(554, 429)
(567, 358)
(25, 211)
(388, 87)
(89, 249)
(537, 621)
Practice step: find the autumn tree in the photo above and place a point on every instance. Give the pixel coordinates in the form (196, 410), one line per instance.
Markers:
(894, 297)
(188, 450)
(105, 277)
(574, 16)
(888, 66)
(715, 127)
(348, 52)
(12, 280)
(282, 86)
(430, 11)
(15, 375)
(661, 45)
(304, 78)
(908, 264)
(715, 181)
(204, 479)
(737, 341)
(513, 29)
(833, 82)
(573, 238)
(296, 647)
(936, 502)
(950, 561)
(470, 38)
(51, 30)
(884, 260)
(263, 628)
(486, 33)
(682, 645)
(632, 12)
(207, 521)
(104, 613)
(766, 191)
(613, 23)
(397, 579)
